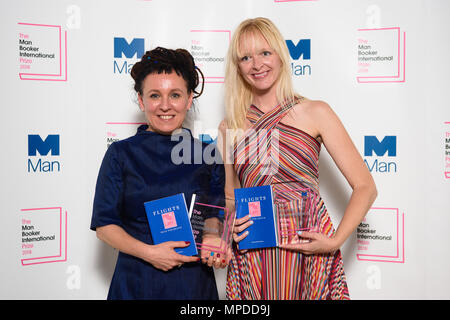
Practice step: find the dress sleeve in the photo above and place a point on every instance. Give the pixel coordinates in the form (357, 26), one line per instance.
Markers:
(108, 191)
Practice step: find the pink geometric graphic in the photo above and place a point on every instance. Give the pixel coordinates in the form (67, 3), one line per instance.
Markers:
(401, 61)
(213, 78)
(399, 238)
(59, 256)
(169, 220)
(254, 209)
(62, 62)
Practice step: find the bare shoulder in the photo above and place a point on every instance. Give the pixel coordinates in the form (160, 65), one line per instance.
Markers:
(317, 111)
(311, 111)
(312, 108)
(311, 116)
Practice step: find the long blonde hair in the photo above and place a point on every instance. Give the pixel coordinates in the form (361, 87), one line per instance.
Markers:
(238, 93)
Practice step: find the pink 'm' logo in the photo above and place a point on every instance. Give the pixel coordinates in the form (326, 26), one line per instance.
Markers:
(169, 220)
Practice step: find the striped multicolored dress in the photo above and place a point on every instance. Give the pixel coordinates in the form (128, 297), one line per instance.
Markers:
(273, 153)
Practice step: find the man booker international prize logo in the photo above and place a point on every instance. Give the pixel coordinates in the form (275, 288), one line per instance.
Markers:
(381, 236)
(209, 47)
(43, 235)
(42, 52)
(381, 55)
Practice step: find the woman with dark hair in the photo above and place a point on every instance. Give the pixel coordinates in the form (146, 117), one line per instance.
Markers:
(140, 169)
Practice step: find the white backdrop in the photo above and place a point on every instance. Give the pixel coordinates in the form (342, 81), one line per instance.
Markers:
(66, 94)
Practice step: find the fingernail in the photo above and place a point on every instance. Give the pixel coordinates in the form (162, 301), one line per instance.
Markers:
(212, 253)
(218, 255)
(223, 260)
(198, 259)
(299, 233)
(187, 242)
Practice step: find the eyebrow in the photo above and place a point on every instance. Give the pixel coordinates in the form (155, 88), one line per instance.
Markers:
(258, 50)
(157, 90)
(242, 52)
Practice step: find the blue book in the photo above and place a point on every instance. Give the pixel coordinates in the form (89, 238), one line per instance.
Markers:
(258, 203)
(169, 221)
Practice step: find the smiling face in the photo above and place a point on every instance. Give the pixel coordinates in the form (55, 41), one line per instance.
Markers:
(165, 101)
(258, 63)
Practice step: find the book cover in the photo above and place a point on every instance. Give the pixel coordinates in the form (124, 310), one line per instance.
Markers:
(258, 203)
(169, 221)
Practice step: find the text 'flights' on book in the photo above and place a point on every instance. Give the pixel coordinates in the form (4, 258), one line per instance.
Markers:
(169, 221)
(258, 203)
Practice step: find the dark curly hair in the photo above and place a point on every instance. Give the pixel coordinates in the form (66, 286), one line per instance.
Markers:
(161, 60)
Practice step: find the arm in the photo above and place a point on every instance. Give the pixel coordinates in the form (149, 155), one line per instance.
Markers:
(231, 182)
(107, 221)
(161, 256)
(347, 158)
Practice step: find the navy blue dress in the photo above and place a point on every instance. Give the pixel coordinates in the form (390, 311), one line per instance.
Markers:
(146, 167)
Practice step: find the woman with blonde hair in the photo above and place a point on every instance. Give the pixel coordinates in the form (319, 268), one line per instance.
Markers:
(272, 136)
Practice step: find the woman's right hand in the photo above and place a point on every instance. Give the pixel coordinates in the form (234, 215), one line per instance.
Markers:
(164, 257)
(239, 226)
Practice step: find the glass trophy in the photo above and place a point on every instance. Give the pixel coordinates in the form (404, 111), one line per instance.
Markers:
(212, 224)
(296, 209)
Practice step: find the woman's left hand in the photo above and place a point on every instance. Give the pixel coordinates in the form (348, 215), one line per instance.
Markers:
(215, 259)
(311, 243)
